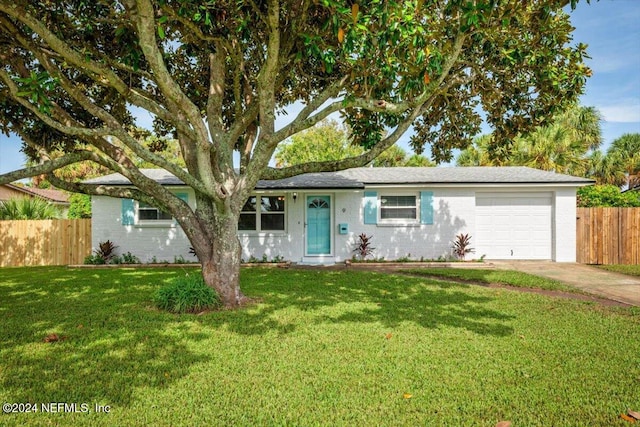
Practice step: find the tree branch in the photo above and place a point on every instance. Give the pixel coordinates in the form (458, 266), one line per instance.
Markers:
(143, 16)
(100, 74)
(45, 167)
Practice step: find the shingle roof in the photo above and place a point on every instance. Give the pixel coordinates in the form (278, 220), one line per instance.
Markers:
(459, 175)
(50, 194)
(361, 177)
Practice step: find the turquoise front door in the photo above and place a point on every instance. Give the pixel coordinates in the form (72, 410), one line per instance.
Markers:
(318, 225)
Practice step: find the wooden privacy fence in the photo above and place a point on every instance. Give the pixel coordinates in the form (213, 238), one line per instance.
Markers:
(608, 236)
(44, 242)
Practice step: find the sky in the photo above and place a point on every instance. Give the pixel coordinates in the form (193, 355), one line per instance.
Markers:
(611, 30)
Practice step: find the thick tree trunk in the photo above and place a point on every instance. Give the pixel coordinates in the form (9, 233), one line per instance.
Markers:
(221, 269)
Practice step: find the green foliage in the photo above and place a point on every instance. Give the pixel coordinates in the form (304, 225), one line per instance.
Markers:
(625, 153)
(396, 156)
(632, 270)
(469, 355)
(265, 259)
(503, 277)
(563, 146)
(98, 258)
(607, 196)
(28, 208)
(329, 141)
(215, 75)
(36, 88)
(94, 259)
(326, 141)
(79, 206)
(186, 294)
(129, 258)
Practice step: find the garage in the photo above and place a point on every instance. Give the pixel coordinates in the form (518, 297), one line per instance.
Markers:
(514, 225)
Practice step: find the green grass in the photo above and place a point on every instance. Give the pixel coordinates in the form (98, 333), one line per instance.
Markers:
(632, 270)
(321, 348)
(503, 277)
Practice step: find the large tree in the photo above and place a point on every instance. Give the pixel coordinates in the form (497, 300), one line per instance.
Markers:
(215, 74)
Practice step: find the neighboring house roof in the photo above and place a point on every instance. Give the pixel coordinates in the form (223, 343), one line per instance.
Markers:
(361, 177)
(51, 195)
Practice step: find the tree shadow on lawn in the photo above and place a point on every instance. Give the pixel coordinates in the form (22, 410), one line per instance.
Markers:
(113, 342)
(388, 299)
(110, 341)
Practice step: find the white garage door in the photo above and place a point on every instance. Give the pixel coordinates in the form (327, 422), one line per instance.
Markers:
(513, 226)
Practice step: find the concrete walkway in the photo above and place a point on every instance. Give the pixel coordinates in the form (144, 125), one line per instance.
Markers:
(614, 286)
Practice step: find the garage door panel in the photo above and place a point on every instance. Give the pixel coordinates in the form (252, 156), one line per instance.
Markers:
(513, 226)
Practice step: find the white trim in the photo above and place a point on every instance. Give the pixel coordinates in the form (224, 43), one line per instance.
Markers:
(159, 223)
(258, 214)
(463, 185)
(398, 221)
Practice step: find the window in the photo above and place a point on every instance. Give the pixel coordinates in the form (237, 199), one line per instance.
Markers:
(263, 213)
(399, 208)
(149, 213)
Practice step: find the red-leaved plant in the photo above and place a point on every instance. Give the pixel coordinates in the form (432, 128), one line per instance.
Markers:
(461, 246)
(363, 246)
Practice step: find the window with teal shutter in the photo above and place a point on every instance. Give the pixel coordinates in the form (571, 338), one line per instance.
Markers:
(128, 212)
(370, 207)
(426, 207)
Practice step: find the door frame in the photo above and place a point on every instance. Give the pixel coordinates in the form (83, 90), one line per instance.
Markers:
(331, 223)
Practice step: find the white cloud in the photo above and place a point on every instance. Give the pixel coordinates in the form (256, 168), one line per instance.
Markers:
(626, 111)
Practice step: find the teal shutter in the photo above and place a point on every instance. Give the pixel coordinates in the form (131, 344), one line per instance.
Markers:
(426, 207)
(370, 207)
(128, 212)
(183, 196)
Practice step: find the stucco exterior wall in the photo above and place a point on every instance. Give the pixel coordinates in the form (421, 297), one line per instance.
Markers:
(453, 213)
(564, 235)
(144, 241)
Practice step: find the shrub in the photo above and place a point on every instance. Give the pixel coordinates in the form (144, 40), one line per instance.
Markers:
(265, 259)
(186, 294)
(607, 196)
(129, 258)
(106, 251)
(25, 208)
(79, 206)
(94, 259)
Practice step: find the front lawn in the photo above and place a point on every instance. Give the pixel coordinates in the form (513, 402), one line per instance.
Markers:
(502, 277)
(632, 270)
(320, 348)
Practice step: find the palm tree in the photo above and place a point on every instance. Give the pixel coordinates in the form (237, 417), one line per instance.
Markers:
(625, 152)
(22, 208)
(477, 154)
(561, 146)
(605, 169)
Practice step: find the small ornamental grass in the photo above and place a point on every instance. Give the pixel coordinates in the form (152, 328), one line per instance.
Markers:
(186, 294)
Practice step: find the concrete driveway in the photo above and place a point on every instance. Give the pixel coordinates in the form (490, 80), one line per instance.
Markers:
(614, 286)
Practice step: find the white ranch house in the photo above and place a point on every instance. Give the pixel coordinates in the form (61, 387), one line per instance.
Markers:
(513, 213)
